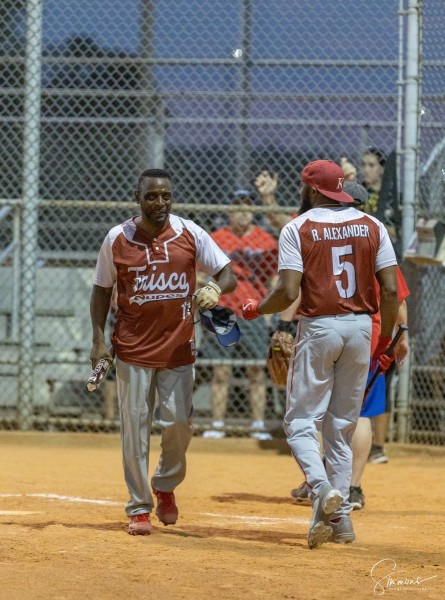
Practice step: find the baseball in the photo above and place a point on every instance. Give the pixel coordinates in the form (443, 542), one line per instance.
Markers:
(237, 53)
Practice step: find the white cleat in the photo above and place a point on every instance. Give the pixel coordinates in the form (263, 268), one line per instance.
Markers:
(327, 501)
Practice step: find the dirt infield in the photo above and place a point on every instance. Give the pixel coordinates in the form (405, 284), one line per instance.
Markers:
(239, 535)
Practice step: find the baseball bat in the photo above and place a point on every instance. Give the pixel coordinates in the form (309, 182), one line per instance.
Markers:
(99, 372)
(388, 352)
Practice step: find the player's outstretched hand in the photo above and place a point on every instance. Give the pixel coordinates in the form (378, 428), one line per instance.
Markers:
(207, 296)
(265, 183)
(250, 309)
(380, 355)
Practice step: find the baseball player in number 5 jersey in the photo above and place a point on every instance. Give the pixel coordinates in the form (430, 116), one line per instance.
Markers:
(152, 259)
(333, 253)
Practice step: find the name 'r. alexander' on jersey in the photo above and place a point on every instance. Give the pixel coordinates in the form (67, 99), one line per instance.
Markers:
(340, 233)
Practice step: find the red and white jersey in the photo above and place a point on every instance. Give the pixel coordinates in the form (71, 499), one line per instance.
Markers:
(155, 279)
(338, 251)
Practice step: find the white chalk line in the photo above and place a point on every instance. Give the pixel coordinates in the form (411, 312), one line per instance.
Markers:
(17, 513)
(63, 498)
(229, 519)
(253, 520)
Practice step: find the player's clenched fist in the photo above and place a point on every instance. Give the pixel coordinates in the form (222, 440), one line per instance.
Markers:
(250, 309)
(207, 296)
(266, 183)
(348, 169)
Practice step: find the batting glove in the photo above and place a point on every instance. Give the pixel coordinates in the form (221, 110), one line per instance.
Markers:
(207, 296)
(250, 309)
(380, 354)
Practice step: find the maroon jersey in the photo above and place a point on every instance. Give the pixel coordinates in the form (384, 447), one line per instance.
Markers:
(155, 279)
(338, 251)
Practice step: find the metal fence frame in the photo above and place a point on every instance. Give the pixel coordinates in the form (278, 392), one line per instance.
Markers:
(26, 209)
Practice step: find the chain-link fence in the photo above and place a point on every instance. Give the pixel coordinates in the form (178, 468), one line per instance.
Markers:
(427, 281)
(93, 92)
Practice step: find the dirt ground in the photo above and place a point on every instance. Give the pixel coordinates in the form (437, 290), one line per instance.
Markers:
(239, 535)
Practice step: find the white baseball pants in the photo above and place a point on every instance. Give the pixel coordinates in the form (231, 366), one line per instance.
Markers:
(326, 383)
(136, 389)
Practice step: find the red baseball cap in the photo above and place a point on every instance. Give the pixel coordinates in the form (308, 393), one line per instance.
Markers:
(327, 178)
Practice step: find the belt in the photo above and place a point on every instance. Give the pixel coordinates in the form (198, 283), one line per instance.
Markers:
(362, 312)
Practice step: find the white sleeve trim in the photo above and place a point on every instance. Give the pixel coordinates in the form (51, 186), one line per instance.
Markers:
(289, 256)
(386, 256)
(105, 274)
(209, 255)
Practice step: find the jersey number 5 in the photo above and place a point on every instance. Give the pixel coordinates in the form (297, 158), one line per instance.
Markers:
(339, 266)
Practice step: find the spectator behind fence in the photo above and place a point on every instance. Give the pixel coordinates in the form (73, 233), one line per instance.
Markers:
(374, 164)
(152, 260)
(372, 167)
(253, 252)
(266, 184)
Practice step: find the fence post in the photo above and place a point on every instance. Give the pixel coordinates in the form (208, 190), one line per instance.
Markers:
(411, 125)
(402, 402)
(409, 181)
(16, 274)
(30, 195)
(243, 143)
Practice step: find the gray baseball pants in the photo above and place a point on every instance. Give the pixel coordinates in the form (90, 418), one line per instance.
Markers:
(136, 389)
(326, 383)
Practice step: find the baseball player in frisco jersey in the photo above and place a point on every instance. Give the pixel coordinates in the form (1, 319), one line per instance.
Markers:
(152, 258)
(332, 253)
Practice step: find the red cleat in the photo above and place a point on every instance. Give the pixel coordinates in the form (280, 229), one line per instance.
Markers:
(166, 510)
(140, 524)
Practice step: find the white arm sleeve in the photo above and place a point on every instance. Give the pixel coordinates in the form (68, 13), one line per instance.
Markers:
(386, 256)
(105, 275)
(289, 245)
(209, 255)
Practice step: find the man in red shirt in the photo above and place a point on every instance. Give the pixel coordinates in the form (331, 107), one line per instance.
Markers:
(152, 260)
(332, 253)
(253, 252)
